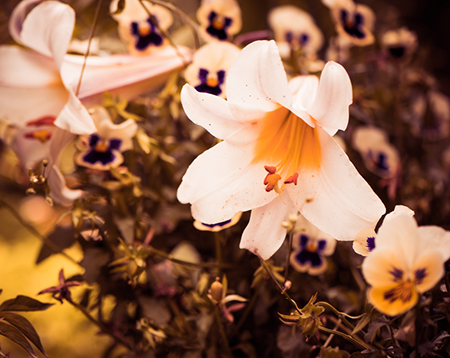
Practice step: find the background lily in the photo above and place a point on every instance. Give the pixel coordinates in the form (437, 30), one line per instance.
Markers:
(407, 261)
(209, 67)
(219, 20)
(277, 156)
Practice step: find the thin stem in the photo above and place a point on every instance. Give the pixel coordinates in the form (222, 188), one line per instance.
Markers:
(218, 243)
(248, 308)
(222, 330)
(185, 263)
(165, 34)
(330, 337)
(183, 16)
(341, 315)
(52, 246)
(101, 325)
(286, 269)
(344, 335)
(91, 35)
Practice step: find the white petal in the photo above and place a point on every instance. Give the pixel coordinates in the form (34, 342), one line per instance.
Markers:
(48, 29)
(124, 131)
(334, 197)
(210, 112)
(75, 118)
(399, 233)
(303, 89)
(264, 233)
(59, 192)
(222, 181)
(434, 238)
(334, 96)
(257, 77)
(23, 68)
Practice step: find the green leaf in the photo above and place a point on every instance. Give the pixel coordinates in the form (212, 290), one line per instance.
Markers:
(62, 237)
(24, 326)
(24, 303)
(361, 324)
(14, 334)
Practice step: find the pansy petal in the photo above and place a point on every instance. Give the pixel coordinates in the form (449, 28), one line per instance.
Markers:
(264, 233)
(334, 96)
(48, 29)
(59, 192)
(400, 233)
(428, 269)
(380, 298)
(222, 181)
(434, 238)
(384, 268)
(209, 111)
(74, 117)
(257, 77)
(335, 187)
(124, 131)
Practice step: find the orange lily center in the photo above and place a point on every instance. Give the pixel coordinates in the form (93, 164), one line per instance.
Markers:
(42, 136)
(287, 144)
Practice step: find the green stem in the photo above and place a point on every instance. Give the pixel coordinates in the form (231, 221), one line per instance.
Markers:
(286, 269)
(52, 246)
(165, 34)
(91, 35)
(341, 315)
(185, 263)
(346, 336)
(248, 308)
(218, 243)
(101, 325)
(222, 331)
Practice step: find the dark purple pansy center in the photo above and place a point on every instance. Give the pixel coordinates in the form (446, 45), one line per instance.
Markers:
(218, 26)
(101, 150)
(210, 85)
(147, 36)
(221, 224)
(309, 253)
(370, 243)
(352, 23)
(302, 39)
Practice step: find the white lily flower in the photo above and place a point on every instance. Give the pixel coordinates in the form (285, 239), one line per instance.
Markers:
(277, 155)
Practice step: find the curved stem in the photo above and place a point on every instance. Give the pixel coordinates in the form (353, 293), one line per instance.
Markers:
(222, 330)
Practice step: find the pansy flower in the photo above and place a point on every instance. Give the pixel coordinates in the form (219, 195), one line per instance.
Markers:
(399, 44)
(408, 260)
(219, 19)
(380, 157)
(310, 248)
(209, 67)
(140, 31)
(295, 30)
(277, 156)
(102, 149)
(354, 22)
(366, 240)
(218, 226)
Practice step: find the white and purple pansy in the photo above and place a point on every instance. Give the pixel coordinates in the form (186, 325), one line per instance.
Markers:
(102, 150)
(140, 31)
(399, 44)
(210, 64)
(218, 226)
(219, 19)
(353, 21)
(310, 248)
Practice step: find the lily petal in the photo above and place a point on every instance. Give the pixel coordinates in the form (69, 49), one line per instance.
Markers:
(334, 96)
(74, 117)
(237, 184)
(257, 78)
(47, 29)
(264, 233)
(59, 192)
(209, 111)
(335, 187)
(26, 69)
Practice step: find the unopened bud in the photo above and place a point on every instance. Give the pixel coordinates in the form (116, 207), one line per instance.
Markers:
(216, 291)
